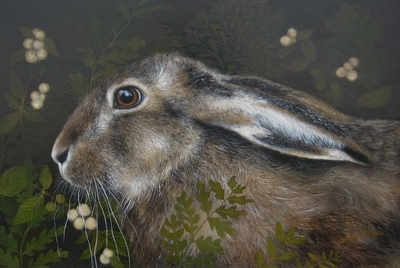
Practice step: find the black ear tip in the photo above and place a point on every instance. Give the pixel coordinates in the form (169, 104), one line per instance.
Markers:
(360, 157)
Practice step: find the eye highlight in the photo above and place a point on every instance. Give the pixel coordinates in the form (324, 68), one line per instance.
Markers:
(127, 97)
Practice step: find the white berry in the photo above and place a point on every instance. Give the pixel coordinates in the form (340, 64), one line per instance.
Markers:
(79, 223)
(38, 44)
(83, 210)
(41, 54)
(91, 223)
(292, 32)
(108, 253)
(40, 35)
(27, 43)
(348, 66)
(72, 214)
(341, 72)
(104, 260)
(35, 30)
(354, 61)
(30, 56)
(37, 104)
(352, 75)
(285, 41)
(35, 95)
(44, 87)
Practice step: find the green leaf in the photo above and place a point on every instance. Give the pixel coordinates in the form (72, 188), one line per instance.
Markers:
(222, 227)
(271, 249)
(9, 122)
(8, 260)
(32, 115)
(290, 233)
(18, 56)
(45, 178)
(279, 232)
(89, 59)
(52, 256)
(239, 189)
(13, 181)
(312, 256)
(284, 52)
(308, 48)
(298, 65)
(319, 79)
(239, 199)
(217, 189)
(12, 101)
(16, 85)
(209, 245)
(203, 197)
(172, 258)
(260, 259)
(287, 256)
(165, 233)
(38, 243)
(50, 46)
(26, 31)
(8, 240)
(376, 98)
(29, 210)
(116, 262)
(135, 43)
(376, 25)
(305, 34)
(232, 182)
(231, 211)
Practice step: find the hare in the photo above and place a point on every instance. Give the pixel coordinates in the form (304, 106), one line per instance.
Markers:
(163, 124)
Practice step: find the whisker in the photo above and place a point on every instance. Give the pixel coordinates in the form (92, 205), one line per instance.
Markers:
(108, 203)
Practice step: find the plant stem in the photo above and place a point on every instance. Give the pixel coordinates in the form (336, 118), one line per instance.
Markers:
(109, 45)
(28, 227)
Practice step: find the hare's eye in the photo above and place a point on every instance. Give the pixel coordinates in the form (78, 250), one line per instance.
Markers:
(127, 97)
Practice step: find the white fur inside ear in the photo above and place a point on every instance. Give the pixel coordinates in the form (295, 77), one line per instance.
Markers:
(278, 129)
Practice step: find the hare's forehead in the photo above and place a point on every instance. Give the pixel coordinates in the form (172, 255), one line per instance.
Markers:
(161, 86)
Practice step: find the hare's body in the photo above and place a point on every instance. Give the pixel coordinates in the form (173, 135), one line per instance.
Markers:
(166, 123)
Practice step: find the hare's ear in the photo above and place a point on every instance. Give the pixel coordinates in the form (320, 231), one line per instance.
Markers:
(280, 124)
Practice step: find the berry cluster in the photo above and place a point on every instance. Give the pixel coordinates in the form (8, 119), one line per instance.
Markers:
(289, 38)
(35, 47)
(80, 219)
(106, 256)
(38, 96)
(347, 70)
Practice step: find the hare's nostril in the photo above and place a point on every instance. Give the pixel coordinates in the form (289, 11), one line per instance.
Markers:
(61, 158)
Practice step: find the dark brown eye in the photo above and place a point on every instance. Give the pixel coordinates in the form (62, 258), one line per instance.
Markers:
(127, 97)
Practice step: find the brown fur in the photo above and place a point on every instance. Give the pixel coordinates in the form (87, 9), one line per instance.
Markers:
(147, 155)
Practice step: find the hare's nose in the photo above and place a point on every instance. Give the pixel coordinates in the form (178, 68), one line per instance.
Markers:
(62, 157)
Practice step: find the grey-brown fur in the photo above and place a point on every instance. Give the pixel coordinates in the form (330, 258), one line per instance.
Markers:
(338, 180)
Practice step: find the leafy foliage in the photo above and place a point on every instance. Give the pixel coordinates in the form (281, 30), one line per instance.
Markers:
(24, 242)
(107, 50)
(242, 37)
(235, 36)
(276, 254)
(218, 207)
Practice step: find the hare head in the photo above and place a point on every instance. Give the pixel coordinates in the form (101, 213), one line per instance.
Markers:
(161, 125)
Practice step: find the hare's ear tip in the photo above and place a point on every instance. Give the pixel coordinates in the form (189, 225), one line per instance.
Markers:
(359, 157)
